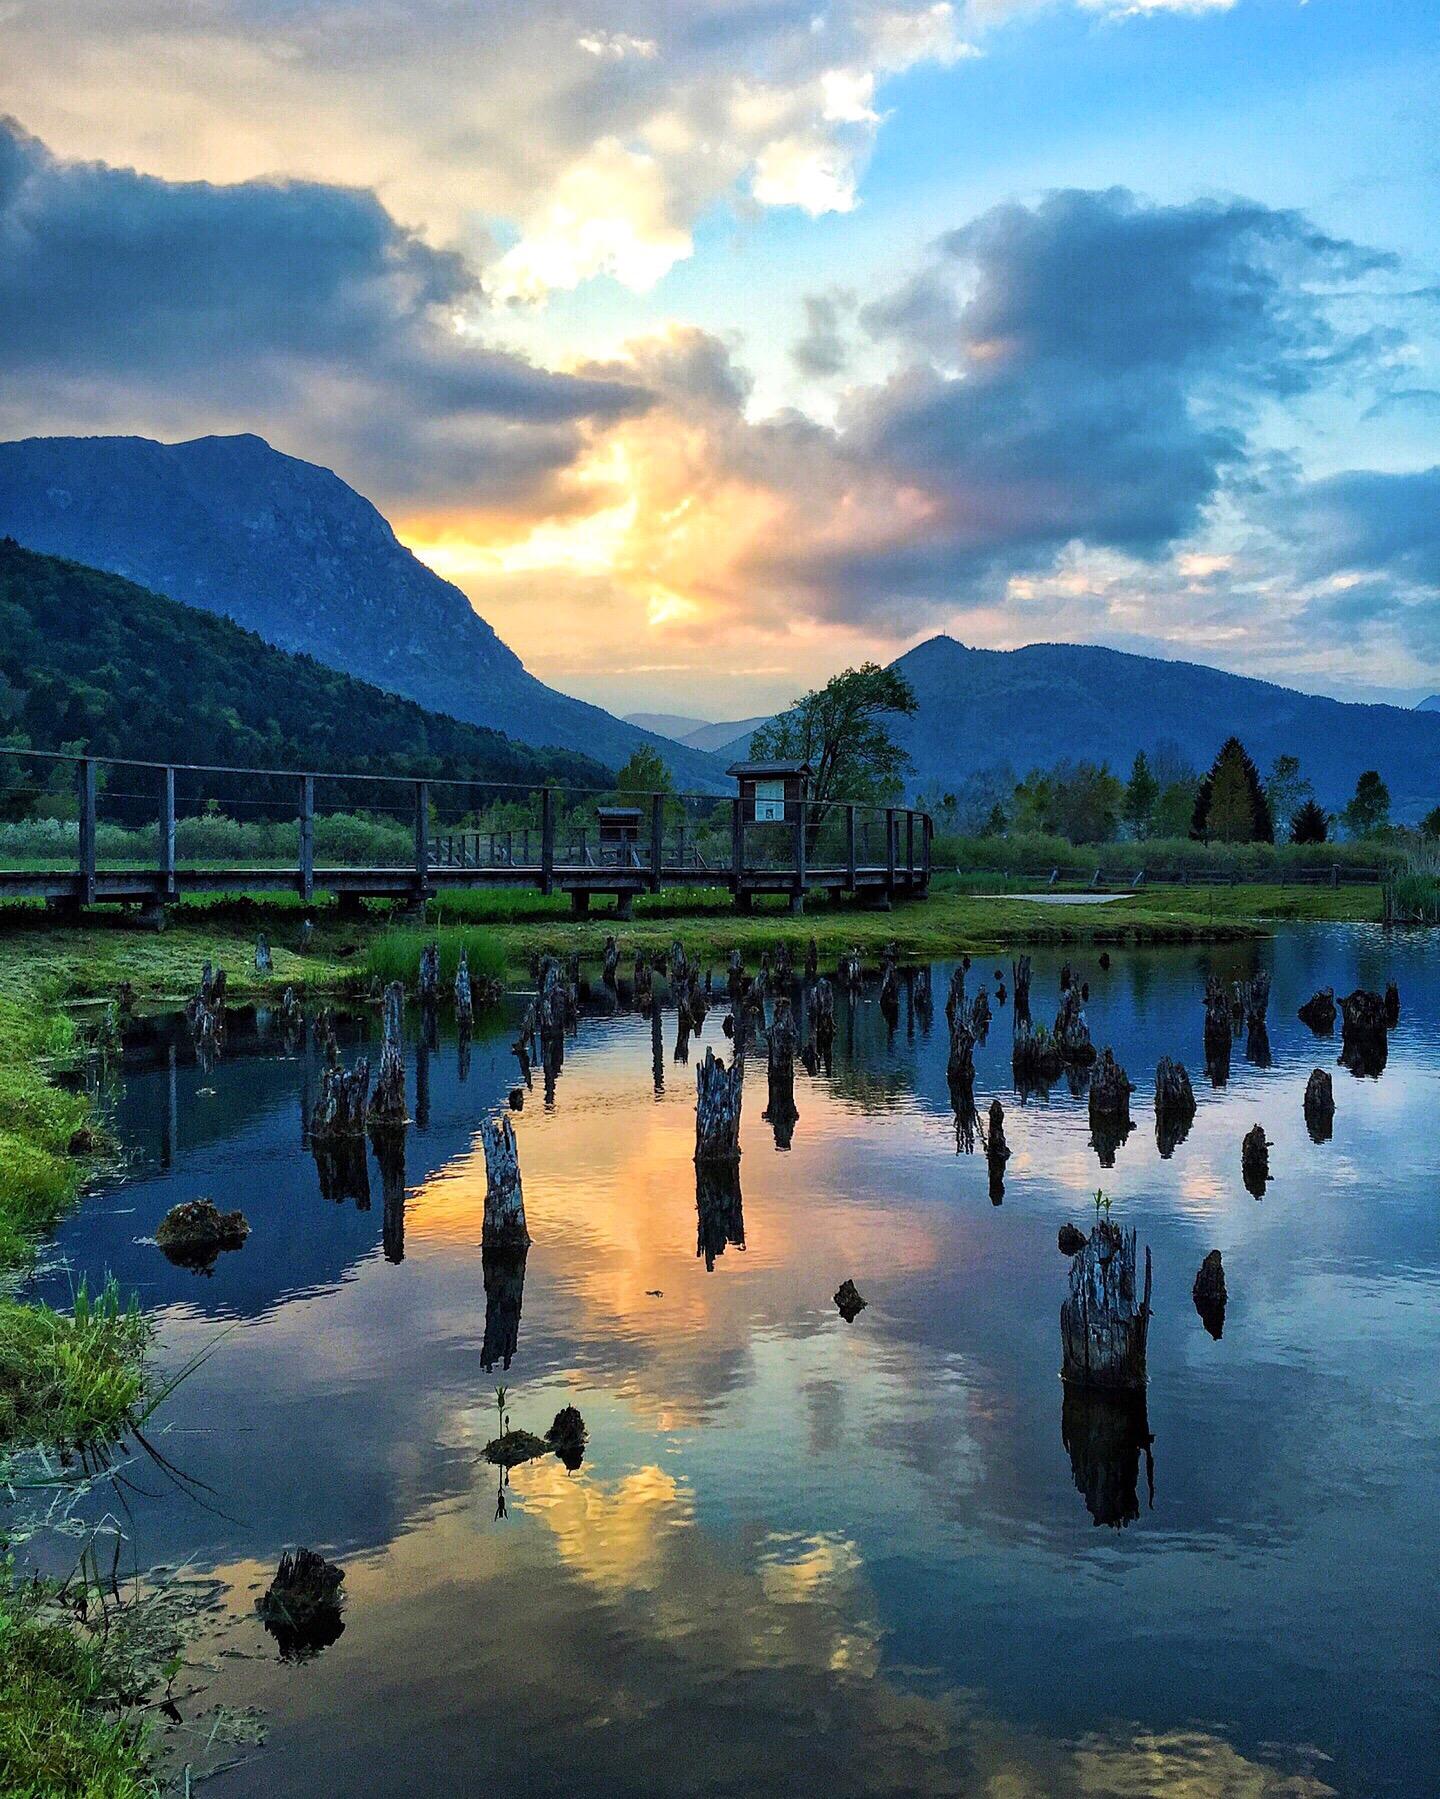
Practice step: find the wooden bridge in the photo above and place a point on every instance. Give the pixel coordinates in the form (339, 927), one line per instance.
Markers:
(124, 840)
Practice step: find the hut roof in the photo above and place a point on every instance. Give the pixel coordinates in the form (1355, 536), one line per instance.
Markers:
(764, 770)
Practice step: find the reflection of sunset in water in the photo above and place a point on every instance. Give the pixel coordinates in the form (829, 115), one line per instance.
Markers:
(805, 1556)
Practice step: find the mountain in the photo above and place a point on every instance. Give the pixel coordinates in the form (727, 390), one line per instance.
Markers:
(289, 551)
(1035, 706)
(1431, 703)
(91, 659)
(673, 725)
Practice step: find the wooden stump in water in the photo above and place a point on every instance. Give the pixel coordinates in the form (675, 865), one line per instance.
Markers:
(980, 1016)
(1072, 1034)
(610, 963)
(784, 967)
(429, 979)
(956, 1006)
(960, 1068)
(1103, 1324)
(643, 988)
(678, 965)
(387, 1103)
(1110, 1121)
(719, 1091)
(264, 961)
(735, 976)
(923, 993)
(504, 1227)
(889, 992)
(782, 1113)
(1320, 1106)
(390, 1154)
(1209, 1294)
(851, 972)
(848, 1301)
(1319, 1012)
(812, 960)
(340, 1109)
(1035, 1059)
(1255, 1160)
(464, 999)
(1255, 997)
(291, 1012)
(301, 1608)
(1364, 1046)
(1174, 1105)
(1020, 981)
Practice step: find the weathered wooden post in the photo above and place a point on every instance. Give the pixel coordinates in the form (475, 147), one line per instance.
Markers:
(464, 998)
(1219, 1032)
(504, 1226)
(387, 1103)
(1209, 1294)
(167, 833)
(610, 964)
(1255, 1160)
(85, 794)
(1320, 1106)
(719, 1092)
(430, 975)
(264, 961)
(307, 838)
(1174, 1105)
(781, 1045)
(1103, 1325)
(1319, 1012)
(1020, 977)
(547, 840)
(1110, 1121)
(1364, 1045)
(422, 841)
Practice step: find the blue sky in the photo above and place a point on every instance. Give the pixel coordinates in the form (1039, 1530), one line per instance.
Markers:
(542, 293)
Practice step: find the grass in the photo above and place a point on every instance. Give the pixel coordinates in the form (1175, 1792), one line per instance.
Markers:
(70, 1378)
(63, 1727)
(395, 954)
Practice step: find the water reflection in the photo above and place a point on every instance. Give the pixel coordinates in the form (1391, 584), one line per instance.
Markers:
(801, 1557)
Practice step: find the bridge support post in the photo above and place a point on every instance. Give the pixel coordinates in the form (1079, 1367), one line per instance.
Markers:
(422, 841)
(85, 793)
(625, 905)
(167, 832)
(579, 901)
(547, 840)
(307, 838)
(657, 839)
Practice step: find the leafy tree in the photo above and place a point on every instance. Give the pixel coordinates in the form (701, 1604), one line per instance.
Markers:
(645, 773)
(1368, 813)
(1430, 824)
(1310, 824)
(1141, 793)
(1174, 809)
(1287, 790)
(1078, 800)
(843, 731)
(1231, 806)
(995, 824)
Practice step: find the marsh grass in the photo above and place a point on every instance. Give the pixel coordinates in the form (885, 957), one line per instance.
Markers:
(68, 1379)
(1413, 892)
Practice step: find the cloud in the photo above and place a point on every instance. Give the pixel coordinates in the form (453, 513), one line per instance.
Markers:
(296, 307)
(594, 143)
(821, 352)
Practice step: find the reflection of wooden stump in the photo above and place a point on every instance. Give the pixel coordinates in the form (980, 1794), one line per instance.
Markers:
(1392, 1005)
(1174, 1105)
(1255, 1160)
(781, 1112)
(1104, 1324)
(1104, 1434)
(1320, 1106)
(1020, 979)
(997, 1151)
(504, 1273)
(1110, 1121)
(343, 1169)
(719, 1210)
(302, 1605)
(390, 1154)
(387, 1103)
(1364, 1046)
(1072, 1034)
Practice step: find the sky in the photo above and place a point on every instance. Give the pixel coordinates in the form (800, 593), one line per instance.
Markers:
(713, 345)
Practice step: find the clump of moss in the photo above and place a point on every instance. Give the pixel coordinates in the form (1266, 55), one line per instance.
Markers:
(515, 1446)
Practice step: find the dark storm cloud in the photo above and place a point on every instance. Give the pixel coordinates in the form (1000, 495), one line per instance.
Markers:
(1368, 521)
(1085, 370)
(115, 286)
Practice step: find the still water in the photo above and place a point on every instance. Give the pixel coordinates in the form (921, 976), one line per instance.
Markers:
(803, 1556)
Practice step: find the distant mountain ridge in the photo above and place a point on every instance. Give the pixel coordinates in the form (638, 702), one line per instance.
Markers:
(723, 741)
(1036, 706)
(288, 550)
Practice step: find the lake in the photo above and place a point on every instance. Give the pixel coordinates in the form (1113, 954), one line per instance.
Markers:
(805, 1556)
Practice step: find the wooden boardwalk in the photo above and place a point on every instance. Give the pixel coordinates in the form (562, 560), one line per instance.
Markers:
(876, 854)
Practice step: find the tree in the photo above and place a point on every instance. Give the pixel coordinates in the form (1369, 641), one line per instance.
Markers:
(1430, 824)
(1287, 790)
(1141, 793)
(1078, 800)
(645, 773)
(1231, 806)
(843, 731)
(1368, 813)
(1310, 825)
(995, 824)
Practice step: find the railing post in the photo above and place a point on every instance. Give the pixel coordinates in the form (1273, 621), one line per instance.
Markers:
(910, 845)
(657, 839)
(926, 849)
(85, 793)
(850, 846)
(737, 846)
(307, 838)
(547, 840)
(889, 849)
(801, 820)
(422, 838)
(167, 833)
